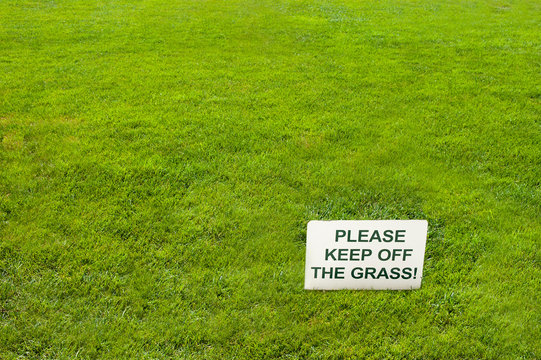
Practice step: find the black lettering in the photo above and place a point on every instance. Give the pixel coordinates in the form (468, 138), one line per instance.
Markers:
(370, 271)
(363, 234)
(339, 234)
(395, 273)
(383, 273)
(357, 273)
(366, 253)
(328, 272)
(339, 273)
(384, 254)
(329, 254)
(406, 273)
(342, 254)
(375, 236)
(388, 236)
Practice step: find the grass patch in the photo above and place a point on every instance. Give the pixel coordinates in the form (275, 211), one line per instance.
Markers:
(159, 161)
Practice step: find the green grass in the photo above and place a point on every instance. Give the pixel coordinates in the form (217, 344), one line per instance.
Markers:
(159, 162)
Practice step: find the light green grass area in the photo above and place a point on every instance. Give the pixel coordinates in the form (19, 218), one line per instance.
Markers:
(160, 159)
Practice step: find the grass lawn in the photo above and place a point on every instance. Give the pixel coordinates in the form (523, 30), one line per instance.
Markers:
(160, 159)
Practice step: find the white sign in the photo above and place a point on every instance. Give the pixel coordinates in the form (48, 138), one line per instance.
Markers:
(365, 254)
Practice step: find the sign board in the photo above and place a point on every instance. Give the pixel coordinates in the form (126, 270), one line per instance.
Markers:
(365, 254)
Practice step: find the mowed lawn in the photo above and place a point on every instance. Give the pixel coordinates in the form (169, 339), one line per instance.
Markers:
(160, 160)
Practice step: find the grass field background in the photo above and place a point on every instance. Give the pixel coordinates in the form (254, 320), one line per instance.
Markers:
(159, 162)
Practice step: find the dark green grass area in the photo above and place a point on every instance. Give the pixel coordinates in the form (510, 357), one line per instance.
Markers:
(159, 162)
